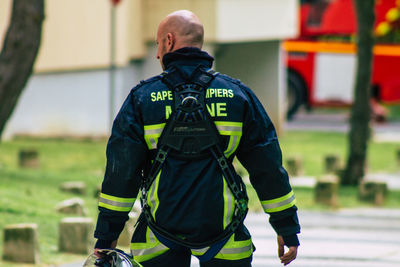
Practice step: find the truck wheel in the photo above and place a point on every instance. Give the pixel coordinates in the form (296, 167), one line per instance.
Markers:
(295, 94)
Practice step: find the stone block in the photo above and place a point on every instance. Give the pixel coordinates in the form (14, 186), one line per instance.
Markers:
(294, 166)
(75, 206)
(76, 235)
(21, 243)
(326, 190)
(28, 158)
(78, 188)
(126, 234)
(373, 191)
(332, 163)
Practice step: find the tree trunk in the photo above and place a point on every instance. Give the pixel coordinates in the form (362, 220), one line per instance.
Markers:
(361, 110)
(21, 45)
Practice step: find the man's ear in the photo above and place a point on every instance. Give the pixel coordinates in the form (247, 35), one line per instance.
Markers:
(170, 42)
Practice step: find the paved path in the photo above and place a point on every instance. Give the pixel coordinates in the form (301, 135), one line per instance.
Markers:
(347, 238)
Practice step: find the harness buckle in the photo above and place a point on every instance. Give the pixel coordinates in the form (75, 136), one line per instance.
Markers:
(161, 156)
(223, 163)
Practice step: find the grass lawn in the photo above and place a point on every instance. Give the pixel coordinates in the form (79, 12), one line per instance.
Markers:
(312, 147)
(30, 196)
(394, 112)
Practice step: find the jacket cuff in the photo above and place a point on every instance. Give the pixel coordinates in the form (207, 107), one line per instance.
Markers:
(103, 243)
(291, 240)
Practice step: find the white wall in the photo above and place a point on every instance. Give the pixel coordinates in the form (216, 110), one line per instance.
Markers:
(259, 66)
(77, 103)
(72, 103)
(256, 20)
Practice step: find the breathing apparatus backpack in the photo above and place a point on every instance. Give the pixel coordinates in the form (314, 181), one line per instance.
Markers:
(190, 132)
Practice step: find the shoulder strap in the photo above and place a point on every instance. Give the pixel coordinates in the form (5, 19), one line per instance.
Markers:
(201, 77)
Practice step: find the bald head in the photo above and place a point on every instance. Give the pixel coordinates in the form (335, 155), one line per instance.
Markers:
(179, 29)
(185, 26)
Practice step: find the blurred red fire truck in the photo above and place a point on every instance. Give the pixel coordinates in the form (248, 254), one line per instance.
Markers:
(321, 61)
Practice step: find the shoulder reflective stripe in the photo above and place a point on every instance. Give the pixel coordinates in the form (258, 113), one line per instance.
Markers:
(146, 251)
(154, 126)
(229, 204)
(153, 200)
(234, 131)
(116, 203)
(152, 133)
(229, 127)
(235, 250)
(279, 204)
(234, 141)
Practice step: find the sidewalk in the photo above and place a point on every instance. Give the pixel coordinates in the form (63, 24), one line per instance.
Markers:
(348, 238)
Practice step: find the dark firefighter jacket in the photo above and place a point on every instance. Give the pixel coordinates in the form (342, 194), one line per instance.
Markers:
(191, 198)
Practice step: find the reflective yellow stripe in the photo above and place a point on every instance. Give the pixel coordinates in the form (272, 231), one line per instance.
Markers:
(235, 250)
(149, 250)
(116, 203)
(152, 133)
(229, 204)
(234, 131)
(229, 128)
(154, 126)
(278, 204)
(152, 199)
(229, 207)
(199, 251)
(232, 145)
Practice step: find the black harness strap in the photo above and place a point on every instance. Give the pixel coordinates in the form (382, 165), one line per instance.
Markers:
(191, 131)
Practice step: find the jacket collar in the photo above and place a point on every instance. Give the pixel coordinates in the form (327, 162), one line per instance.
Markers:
(188, 56)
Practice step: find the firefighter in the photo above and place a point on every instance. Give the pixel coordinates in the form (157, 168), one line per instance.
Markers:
(194, 203)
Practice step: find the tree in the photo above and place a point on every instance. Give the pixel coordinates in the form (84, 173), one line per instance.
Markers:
(361, 111)
(20, 48)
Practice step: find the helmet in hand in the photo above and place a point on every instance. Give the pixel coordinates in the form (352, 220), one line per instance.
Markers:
(111, 258)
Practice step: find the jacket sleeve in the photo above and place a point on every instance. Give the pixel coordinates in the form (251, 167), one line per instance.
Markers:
(260, 153)
(126, 153)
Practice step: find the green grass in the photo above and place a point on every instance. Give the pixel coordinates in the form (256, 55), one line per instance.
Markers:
(312, 147)
(30, 195)
(394, 112)
(347, 198)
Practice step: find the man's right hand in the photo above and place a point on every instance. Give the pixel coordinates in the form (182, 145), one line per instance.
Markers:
(287, 257)
(98, 250)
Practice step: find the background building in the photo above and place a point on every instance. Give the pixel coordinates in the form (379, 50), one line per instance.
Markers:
(69, 92)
